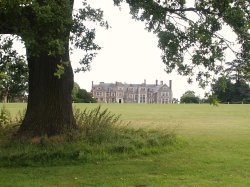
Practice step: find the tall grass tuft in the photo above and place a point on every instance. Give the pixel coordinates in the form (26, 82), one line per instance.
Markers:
(97, 125)
(9, 124)
(5, 117)
(101, 135)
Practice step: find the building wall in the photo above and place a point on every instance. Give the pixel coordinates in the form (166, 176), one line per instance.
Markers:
(133, 93)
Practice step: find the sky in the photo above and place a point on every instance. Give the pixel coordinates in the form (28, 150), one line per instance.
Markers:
(129, 54)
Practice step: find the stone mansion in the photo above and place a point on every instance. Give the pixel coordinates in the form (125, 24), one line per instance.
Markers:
(133, 93)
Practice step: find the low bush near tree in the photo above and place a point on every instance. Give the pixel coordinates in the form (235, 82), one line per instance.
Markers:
(5, 117)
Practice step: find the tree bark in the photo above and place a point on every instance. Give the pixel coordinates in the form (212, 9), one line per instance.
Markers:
(49, 109)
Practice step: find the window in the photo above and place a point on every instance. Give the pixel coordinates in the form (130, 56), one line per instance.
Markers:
(151, 101)
(142, 99)
(164, 101)
(164, 94)
(150, 94)
(98, 93)
(136, 97)
(143, 89)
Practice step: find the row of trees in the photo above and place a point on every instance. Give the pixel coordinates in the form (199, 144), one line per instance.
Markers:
(14, 81)
(189, 97)
(224, 90)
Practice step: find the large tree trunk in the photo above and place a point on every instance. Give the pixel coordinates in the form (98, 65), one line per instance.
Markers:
(49, 110)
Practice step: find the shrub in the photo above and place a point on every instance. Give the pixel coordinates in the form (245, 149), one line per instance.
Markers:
(97, 125)
(19, 117)
(9, 124)
(5, 117)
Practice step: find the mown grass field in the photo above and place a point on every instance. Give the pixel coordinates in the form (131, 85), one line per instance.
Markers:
(217, 152)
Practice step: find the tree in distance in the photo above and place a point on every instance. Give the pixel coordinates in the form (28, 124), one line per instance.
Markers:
(189, 97)
(13, 73)
(225, 90)
(75, 91)
(81, 95)
(48, 27)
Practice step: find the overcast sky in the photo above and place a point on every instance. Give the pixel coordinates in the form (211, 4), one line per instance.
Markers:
(129, 54)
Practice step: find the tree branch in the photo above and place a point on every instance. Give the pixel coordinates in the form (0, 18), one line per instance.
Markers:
(192, 9)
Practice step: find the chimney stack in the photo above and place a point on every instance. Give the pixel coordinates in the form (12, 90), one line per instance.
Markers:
(170, 84)
(92, 84)
(161, 82)
(145, 81)
(156, 82)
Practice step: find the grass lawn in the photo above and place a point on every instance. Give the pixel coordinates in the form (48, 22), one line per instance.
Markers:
(217, 151)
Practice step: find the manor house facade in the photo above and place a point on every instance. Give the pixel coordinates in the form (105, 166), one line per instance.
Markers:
(133, 93)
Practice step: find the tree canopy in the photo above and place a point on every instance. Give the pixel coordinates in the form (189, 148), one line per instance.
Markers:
(13, 72)
(195, 31)
(81, 95)
(225, 90)
(183, 30)
(189, 97)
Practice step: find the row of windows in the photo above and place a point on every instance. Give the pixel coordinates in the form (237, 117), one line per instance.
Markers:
(129, 88)
(98, 93)
(131, 96)
(164, 101)
(108, 94)
(142, 100)
(164, 94)
(111, 100)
